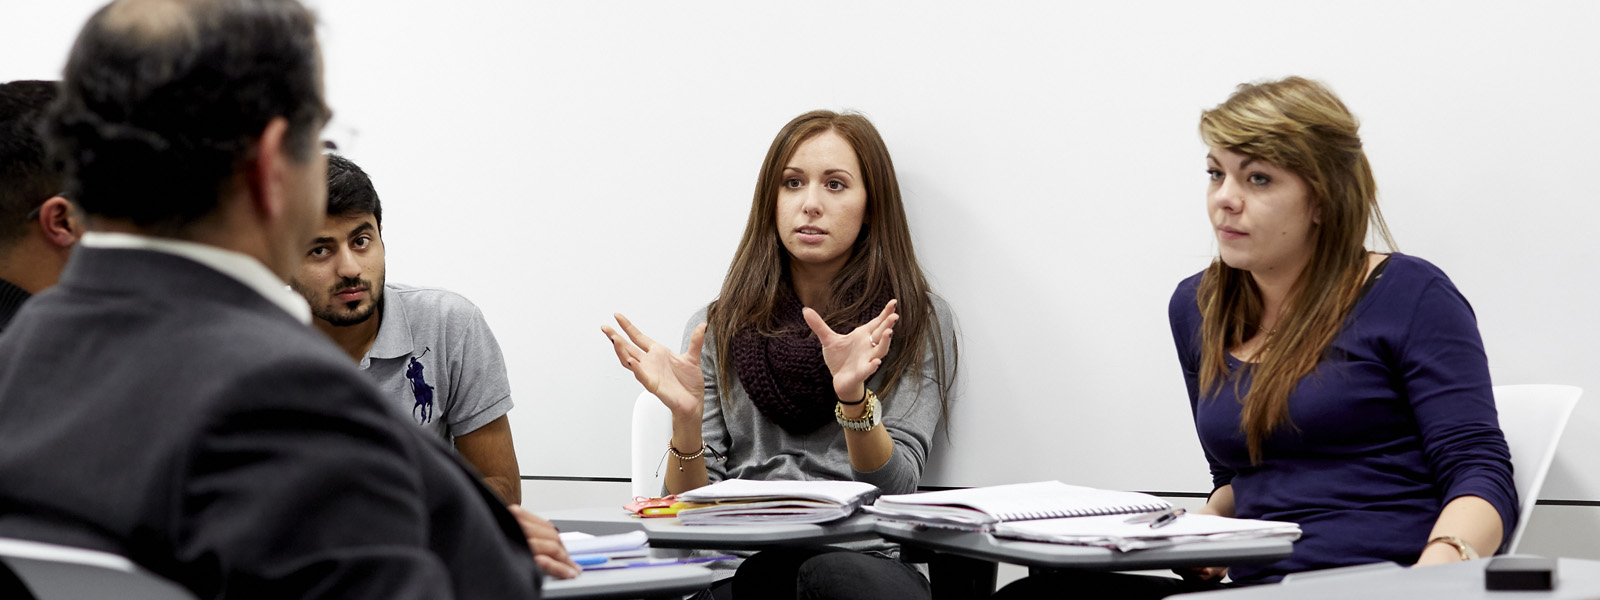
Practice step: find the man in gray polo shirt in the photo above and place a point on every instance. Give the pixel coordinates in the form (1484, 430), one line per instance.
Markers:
(428, 349)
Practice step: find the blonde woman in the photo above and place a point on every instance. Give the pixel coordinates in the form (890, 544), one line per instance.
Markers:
(1335, 387)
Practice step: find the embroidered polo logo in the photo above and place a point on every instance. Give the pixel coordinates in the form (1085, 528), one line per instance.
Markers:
(420, 390)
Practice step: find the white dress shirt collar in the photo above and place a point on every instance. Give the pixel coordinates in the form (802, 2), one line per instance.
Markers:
(245, 269)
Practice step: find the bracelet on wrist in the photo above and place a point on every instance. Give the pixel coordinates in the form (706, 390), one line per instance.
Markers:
(1464, 549)
(683, 457)
(872, 417)
(858, 402)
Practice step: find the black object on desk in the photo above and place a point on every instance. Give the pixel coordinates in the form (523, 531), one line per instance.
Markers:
(1520, 573)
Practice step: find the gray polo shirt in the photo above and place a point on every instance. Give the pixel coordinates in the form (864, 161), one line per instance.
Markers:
(433, 338)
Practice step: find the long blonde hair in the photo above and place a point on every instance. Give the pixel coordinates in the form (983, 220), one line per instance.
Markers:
(1301, 126)
(881, 264)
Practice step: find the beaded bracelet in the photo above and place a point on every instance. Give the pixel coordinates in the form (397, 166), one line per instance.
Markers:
(674, 452)
(681, 457)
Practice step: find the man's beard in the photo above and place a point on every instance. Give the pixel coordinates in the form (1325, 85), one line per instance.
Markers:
(342, 318)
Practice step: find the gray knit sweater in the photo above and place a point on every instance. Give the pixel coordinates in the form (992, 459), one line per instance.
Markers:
(756, 448)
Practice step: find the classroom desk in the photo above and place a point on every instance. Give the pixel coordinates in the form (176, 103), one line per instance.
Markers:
(1575, 579)
(962, 564)
(985, 546)
(671, 533)
(673, 581)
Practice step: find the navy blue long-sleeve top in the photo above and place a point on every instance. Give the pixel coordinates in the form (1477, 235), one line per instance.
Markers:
(1397, 420)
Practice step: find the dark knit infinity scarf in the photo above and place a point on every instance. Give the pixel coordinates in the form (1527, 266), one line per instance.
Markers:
(785, 374)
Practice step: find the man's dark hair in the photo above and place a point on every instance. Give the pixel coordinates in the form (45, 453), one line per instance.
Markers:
(350, 192)
(163, 100)
(27, 176)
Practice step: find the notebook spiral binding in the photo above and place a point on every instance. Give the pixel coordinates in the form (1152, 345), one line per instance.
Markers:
(1093, 512)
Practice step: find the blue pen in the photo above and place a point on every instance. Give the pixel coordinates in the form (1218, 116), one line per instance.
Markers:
(585, 560)
(661, 562)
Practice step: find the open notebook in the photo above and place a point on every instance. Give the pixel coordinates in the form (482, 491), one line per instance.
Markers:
(748, 501)
(1117, 533)
(982, 508)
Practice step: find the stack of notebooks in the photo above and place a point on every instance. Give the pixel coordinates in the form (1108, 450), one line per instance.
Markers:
(744, 501)
(1051, 511)
(980, 509)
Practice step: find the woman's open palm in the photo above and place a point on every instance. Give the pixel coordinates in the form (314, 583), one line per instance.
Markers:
(855, 356)
(674, 378)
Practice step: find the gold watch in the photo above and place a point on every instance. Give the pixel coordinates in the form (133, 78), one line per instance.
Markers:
(872, 418)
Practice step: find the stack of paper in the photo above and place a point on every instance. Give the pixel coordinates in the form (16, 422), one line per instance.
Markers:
(622, 551)
(738, 501)
(579, 544)
(1117, 533)
(980, 509)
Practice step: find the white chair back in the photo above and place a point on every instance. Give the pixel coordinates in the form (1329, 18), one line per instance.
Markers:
(652, 427)
(55, 572)
(1533, 418)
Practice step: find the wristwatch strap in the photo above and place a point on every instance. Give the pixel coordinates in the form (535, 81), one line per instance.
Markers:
(872, 418)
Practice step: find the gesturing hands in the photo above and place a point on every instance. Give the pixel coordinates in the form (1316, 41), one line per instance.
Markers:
(855, 356)
(674, 378)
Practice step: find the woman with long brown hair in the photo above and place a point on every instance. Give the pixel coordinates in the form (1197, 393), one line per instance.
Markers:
(1338, 388)
(825, 356)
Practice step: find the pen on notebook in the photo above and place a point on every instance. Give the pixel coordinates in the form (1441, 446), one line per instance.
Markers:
(657, 562)
(687, 560)
(1167, 518)
(1162, 517)
(1146, 517)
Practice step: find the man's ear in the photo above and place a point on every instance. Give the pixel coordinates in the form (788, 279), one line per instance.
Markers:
(264, 180)
(59, 221)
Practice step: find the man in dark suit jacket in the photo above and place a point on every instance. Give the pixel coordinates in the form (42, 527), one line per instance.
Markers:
(167, 400)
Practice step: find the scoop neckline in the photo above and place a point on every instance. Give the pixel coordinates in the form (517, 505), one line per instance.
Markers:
(1234, 361)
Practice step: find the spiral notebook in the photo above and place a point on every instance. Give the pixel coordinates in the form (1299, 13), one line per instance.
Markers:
(1117, 533)
(981, 508)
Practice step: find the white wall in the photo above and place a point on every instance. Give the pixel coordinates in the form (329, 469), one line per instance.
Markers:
(559, 161)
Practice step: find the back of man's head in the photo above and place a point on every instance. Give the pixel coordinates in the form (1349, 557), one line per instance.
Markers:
(163, 101)
(27, 176)
(350, 191)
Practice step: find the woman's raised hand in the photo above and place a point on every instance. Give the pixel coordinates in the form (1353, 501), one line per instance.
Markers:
(674, 378)
(855, 356)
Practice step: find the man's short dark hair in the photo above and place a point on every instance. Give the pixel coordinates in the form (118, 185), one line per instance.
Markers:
(350, 191)
(162, 100)
(27, 176)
